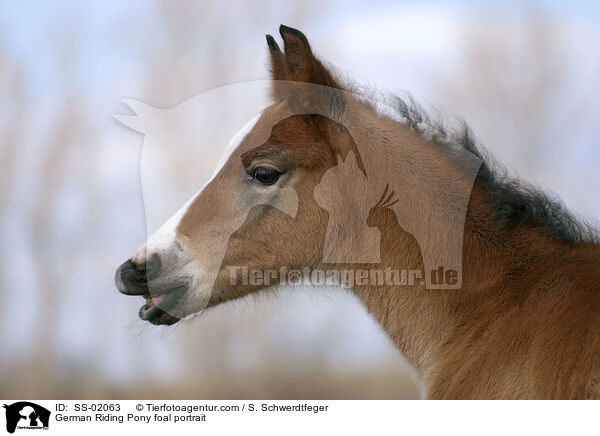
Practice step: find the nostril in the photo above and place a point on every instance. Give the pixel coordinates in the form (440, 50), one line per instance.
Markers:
(132, 277)
(138, 267)
(129, 280)
(150, 267)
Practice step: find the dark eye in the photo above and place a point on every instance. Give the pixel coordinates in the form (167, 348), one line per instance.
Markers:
(266, 175)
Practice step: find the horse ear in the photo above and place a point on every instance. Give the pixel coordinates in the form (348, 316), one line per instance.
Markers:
(297, 62)
(298, 55)
(278, 68)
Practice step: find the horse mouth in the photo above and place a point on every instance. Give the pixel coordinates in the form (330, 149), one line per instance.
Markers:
(162, 304)
(160, 307)
(164, 294)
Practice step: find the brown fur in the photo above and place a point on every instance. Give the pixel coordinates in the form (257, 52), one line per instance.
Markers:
(524, 325)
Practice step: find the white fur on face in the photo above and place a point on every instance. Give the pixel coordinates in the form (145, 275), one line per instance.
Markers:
(198, 263)
(165, 237)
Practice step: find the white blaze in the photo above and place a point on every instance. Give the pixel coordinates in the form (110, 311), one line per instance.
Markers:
(164, 237)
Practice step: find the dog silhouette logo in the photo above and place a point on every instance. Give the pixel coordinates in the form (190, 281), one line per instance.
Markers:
(26, 415)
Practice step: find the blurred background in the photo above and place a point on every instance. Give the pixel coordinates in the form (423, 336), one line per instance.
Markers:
(523, 74)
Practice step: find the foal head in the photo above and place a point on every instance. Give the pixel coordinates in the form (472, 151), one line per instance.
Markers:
(258, 211)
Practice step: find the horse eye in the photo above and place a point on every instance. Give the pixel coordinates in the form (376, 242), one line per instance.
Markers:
(266, 175)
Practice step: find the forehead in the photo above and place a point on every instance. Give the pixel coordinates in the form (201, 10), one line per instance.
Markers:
(280, 134)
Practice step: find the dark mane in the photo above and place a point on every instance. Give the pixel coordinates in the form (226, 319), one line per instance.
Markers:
(514, 201)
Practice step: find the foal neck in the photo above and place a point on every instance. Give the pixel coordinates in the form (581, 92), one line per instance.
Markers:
(424, 323)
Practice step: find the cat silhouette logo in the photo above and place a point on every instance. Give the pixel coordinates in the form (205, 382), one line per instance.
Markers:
(26, 415)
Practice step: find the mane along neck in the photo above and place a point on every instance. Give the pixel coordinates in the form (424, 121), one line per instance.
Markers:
(502, 253)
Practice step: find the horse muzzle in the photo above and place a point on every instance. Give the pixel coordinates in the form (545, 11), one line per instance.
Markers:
(147, 279)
